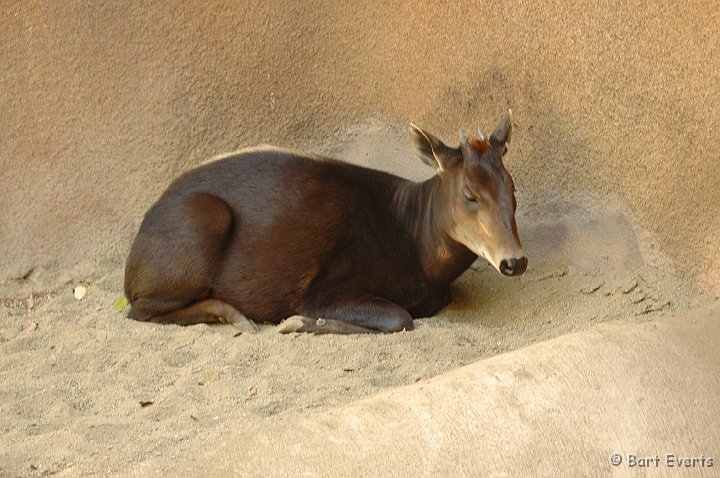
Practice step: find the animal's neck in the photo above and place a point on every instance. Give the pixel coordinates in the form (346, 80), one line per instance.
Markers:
(423, 209)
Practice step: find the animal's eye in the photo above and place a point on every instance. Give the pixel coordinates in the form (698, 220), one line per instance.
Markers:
(468, 197)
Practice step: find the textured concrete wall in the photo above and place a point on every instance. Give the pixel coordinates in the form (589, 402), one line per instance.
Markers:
(102, 104)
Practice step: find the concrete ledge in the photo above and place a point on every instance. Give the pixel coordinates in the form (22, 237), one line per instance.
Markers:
(561, 407)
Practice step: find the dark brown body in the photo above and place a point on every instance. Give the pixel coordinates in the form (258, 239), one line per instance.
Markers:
(274, 234)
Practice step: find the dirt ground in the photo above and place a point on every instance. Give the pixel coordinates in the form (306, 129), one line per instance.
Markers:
(84, 391)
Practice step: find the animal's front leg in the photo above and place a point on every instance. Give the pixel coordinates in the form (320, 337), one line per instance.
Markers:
(350, 316)
(432, 304)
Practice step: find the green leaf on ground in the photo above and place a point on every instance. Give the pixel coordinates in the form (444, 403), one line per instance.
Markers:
(120, 303)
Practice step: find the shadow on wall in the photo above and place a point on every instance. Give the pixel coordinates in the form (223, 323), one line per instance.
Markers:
(588, 235)
(550, 151)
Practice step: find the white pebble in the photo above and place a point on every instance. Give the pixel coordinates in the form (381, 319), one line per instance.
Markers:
(79, 292)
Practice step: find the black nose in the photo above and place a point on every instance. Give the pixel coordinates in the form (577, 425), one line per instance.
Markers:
(514, 266)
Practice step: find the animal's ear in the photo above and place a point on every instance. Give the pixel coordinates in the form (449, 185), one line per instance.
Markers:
(503, 131)
(431, 150)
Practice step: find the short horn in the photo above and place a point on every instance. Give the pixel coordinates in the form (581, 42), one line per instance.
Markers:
(463, 139)
(481, 135)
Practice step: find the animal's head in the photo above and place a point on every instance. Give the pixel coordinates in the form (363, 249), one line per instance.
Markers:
(478, 194)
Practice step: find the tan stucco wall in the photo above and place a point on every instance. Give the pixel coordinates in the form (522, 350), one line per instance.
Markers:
(102, 104)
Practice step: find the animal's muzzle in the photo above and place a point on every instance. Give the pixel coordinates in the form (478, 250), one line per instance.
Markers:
(514, 266)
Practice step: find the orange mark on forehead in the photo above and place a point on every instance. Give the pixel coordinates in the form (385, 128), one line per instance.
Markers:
(481, 146)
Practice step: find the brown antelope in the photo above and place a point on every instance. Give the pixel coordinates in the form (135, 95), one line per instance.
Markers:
(266, 234)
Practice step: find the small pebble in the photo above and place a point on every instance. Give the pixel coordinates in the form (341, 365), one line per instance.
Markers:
(79, 292)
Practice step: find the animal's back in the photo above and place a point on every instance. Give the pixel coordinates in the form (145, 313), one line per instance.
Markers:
(266, 183)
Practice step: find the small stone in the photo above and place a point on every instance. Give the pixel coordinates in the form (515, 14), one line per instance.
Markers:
(79, 292)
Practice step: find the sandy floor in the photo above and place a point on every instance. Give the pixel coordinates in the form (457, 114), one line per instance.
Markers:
(85, 391)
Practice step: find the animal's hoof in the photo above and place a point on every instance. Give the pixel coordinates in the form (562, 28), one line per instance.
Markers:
(243, 324)
(291, 324)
